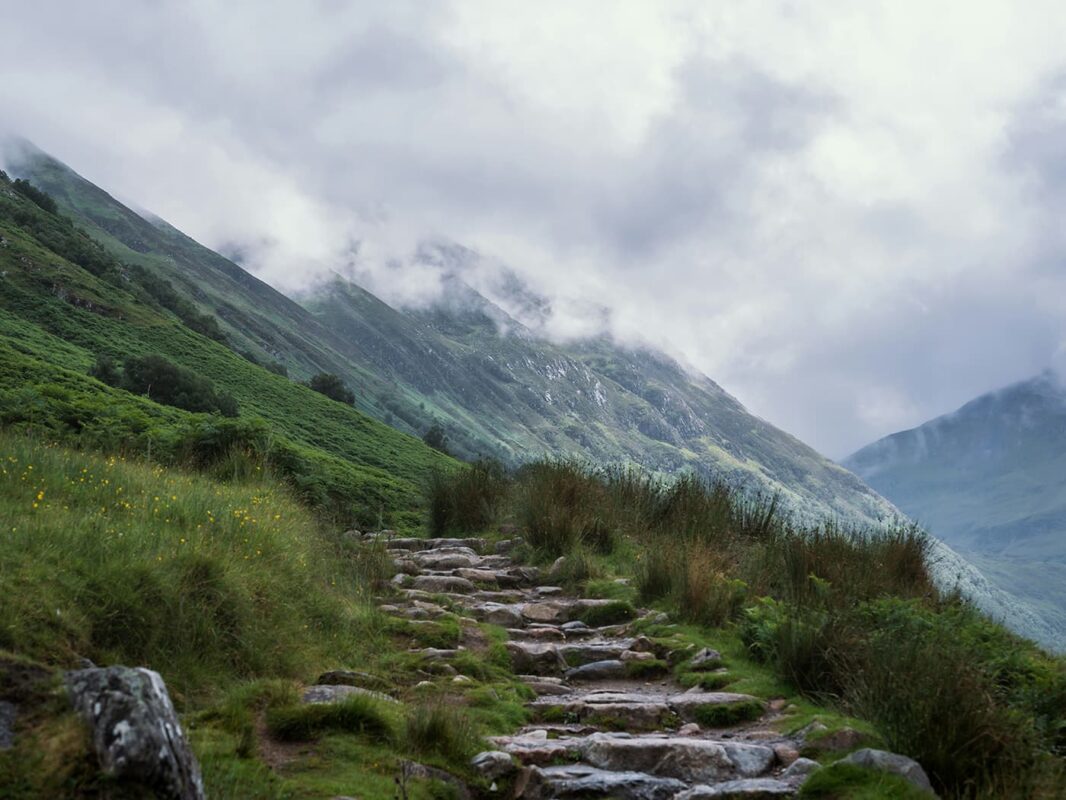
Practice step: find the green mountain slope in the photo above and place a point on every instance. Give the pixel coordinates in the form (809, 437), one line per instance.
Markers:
(989, 479)
(497, 387)
(64, 301)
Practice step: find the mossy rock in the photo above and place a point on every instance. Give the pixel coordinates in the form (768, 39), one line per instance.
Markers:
(851, 782)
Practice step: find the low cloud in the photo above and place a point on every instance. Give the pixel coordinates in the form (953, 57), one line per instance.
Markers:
(849, 216)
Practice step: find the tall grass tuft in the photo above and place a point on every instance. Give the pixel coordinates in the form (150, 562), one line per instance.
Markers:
(560, 505)
(466, 500)
(442, 730)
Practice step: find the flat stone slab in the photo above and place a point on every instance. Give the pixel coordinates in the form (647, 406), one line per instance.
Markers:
(597, 670)
(587, 652)
(554, 612)
(686, 758)
(535, 658)
(744, 789)
(442, 583)
(335, 693)
(497, 614)
(688, 704)
(572, 782)
(433, 544)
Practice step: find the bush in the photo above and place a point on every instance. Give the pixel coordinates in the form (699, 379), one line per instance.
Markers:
(173, 385)
(105, 371)
(332, 387)
(37, 196)
(436, 437)
(466, 500)
(560, 505)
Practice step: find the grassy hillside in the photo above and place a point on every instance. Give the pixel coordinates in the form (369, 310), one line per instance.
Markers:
(988, 480)
(511, 395)
(66, 301)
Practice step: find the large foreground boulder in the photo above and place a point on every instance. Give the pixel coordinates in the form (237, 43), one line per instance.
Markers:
(135, 730)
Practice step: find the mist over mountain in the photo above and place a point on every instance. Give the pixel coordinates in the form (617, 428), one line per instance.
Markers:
(989, 480)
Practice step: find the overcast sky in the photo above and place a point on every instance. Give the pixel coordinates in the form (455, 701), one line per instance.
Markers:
(848, 214)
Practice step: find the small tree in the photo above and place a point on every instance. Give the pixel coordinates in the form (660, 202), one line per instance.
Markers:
(35, 195)
(437, 438)
(174, 385)
(105, 371)
(332, 387)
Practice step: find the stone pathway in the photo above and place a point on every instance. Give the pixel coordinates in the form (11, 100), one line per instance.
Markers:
(599, 732)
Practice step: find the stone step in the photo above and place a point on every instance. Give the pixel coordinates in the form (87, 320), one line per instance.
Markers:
(583, 781)
(635, 710)
(412, 543)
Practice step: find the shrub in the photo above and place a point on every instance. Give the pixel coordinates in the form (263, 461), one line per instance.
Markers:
(466, 500)
(105, 371)
(172, 385)
(40, 198)
(560, 505)
(332, 387)
(441, 730)
(436, 437)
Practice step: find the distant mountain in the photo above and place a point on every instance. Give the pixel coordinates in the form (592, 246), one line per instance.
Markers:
(990, 480)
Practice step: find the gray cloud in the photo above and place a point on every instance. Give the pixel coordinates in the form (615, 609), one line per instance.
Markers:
(845, 215)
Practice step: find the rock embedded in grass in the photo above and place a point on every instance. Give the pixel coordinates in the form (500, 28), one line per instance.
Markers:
(705, 659)
(335, 693)
(891, 762)
(135, 731)
(493, 764)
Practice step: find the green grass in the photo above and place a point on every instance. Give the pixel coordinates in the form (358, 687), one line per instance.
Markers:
(125, 562)
(727, 714)
(850, 782)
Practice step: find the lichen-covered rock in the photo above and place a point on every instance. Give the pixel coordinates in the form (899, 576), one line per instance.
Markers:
(706, 659)
(135, 731)
(891, 762)
(493, 764)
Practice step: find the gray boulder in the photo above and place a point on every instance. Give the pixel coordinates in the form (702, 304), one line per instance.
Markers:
(891, 762)
(135, 731)
(706, 659)
(493, 764)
